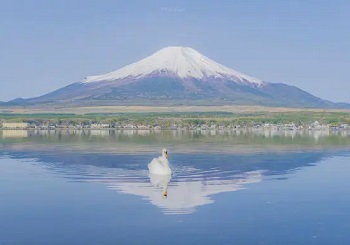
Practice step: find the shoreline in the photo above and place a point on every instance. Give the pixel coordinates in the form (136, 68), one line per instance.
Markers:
(241, 129)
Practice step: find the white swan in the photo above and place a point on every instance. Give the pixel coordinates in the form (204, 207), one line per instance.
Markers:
(160, 165)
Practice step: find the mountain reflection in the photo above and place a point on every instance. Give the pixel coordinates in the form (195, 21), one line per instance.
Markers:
(186, 190)
(203, 165)
(186, 193)
(196, 178)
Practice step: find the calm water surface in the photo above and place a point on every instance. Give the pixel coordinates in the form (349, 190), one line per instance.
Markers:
(227, 188)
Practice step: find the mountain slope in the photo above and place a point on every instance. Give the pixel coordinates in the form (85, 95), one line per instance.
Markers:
(179, 75)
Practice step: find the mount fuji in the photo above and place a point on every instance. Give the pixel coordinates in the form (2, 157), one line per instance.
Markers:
(178, 76)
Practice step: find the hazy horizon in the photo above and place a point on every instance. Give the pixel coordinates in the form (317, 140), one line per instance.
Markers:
(46, 45)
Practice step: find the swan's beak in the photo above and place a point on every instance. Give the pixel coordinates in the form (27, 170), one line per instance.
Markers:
(165, 194)
(166, 154)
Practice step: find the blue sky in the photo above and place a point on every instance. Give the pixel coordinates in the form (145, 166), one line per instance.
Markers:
(46, 45)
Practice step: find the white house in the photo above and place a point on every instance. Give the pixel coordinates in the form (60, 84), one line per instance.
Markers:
(14, 125)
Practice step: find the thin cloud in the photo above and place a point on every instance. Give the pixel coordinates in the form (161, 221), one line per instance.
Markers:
(172, 9)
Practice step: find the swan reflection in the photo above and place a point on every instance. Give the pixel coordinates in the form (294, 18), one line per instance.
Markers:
(161, 181)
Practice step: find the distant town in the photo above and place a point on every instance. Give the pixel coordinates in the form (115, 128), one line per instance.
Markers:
(315, 126)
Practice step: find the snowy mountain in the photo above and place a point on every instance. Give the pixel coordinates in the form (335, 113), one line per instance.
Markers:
(182, 62)
(179, 76)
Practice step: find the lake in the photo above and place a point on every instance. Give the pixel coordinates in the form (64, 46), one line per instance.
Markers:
(93, 187)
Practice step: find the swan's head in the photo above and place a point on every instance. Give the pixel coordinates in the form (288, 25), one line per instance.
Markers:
(165, 153)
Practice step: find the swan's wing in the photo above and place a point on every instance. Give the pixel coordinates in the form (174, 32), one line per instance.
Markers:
(151, 164)
(155, 163)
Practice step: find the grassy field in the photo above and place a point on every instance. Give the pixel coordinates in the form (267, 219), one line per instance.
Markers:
(224, 115)
(138, 109)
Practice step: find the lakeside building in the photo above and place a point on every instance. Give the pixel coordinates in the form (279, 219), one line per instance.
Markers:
(14, 125)
(99, 125)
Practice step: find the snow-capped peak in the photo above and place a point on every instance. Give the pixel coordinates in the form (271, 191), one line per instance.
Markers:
(184, 62)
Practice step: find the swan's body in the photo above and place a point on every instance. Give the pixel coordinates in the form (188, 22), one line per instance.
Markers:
(160, 165)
